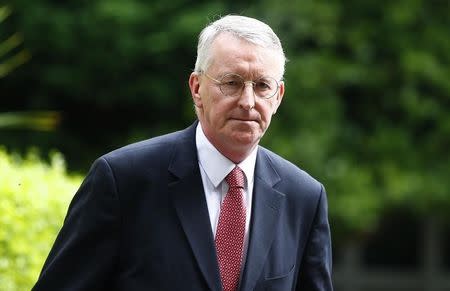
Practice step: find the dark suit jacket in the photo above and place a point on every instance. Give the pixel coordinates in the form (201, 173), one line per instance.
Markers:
(140, 222)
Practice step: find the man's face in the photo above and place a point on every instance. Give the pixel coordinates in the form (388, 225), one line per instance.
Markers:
(234, 125)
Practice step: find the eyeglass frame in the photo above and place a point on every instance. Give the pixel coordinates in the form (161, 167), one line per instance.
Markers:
(219, 83)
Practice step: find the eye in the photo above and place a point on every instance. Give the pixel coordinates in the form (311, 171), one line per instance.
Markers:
(263, 85)
(232, 80)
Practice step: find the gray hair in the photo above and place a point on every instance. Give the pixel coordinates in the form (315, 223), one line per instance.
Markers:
(249, 29)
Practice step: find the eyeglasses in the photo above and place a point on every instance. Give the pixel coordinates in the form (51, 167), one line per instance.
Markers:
(232, 85)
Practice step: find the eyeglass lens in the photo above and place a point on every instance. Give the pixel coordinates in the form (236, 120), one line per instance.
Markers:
(233, 84)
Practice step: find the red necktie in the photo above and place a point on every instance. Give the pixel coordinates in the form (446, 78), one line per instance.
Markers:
(230, 231)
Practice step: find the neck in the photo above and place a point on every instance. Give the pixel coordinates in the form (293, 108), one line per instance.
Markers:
(234, 155)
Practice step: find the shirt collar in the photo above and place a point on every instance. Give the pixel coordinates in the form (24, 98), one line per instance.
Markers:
(216, 165)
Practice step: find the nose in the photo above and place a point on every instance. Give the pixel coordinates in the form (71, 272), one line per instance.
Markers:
(247, 99)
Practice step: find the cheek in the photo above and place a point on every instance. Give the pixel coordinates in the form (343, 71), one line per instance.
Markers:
(216, 110)
(210, 99)
(267, 111)
(222, 105)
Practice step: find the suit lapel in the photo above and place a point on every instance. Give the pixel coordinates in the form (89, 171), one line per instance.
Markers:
(265, 213)
(188, 196)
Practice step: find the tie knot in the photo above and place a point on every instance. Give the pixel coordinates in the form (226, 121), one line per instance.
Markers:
(235, 178)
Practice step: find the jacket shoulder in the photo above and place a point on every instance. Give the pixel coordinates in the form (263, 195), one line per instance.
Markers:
(153, 152)
(292, 176)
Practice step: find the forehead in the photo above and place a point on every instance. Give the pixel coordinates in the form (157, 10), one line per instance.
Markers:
(231, 54)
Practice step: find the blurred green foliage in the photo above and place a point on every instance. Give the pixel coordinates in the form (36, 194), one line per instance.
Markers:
(34, 199)
(368, 88)
(367, 98)
(35, 120)
(11, 55)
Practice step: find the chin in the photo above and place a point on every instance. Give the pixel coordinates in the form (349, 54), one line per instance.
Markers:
(246, 139)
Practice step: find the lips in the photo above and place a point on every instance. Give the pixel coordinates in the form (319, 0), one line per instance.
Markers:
(252, 117)
(244, 119)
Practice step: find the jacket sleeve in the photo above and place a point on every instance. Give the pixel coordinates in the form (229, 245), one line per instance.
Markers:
(85, 251)
(315, 271)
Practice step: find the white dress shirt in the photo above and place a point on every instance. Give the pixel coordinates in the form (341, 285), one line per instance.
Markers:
(214, 167)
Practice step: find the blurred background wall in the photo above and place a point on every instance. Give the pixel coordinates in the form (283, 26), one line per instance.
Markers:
(366, 111)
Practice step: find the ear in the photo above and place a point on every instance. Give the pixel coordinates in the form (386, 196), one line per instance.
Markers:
(278, 97)
(194, 85)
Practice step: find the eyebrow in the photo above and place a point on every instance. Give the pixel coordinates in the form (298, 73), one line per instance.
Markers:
(259, 76)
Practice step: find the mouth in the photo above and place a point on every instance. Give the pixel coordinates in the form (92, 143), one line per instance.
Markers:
(244, 120)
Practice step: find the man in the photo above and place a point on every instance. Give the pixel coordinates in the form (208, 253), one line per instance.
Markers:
(204, 208)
